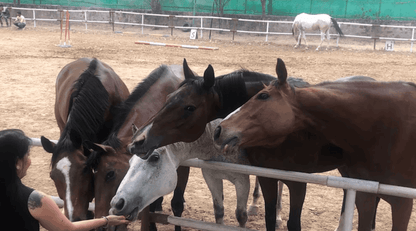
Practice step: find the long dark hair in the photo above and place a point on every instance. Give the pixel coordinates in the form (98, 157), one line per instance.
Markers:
(14, 145)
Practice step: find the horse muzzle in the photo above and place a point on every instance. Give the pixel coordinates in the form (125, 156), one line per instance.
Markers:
(225, 140)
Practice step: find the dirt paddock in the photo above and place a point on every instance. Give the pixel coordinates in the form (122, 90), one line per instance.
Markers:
(30, 62)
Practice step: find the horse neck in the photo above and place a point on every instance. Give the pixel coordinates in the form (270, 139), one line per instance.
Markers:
(203, 148)
(234, 91)
(141, 111)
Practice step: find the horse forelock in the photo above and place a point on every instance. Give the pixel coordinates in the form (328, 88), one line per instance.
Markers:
(124, 109)
(64, 144)
(92, 161)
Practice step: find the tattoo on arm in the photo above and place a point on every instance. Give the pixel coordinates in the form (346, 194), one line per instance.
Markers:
(35, 200)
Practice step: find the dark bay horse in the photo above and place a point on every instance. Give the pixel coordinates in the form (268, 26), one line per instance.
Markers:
(110, 160)
(87, 90)
(372, 122)
(200, 100)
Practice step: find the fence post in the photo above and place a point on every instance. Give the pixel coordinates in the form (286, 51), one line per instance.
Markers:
(202, 25)
(112, 18)
(267, 31)
(86, 25)
(234, 28)
(413, 36)
(349, 209)
(34, 18)
(375, 33)
(171, 24)
(142, 22)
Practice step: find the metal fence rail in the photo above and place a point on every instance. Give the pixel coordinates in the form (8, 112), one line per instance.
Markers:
(234, 21)
(350, 184)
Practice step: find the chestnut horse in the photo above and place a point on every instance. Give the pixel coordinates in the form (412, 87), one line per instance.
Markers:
(110, 160)
(371, 121)
(87, 90)
(200, 100)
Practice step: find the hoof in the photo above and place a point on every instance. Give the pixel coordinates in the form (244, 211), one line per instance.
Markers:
(252, 210)
(279, 223)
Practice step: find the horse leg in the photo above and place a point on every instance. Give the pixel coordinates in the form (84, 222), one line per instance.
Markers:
(322, 40)
(304, 38)
(366, 205)
(401, 209)
(252, 210)
(328, 38)
(215, 186)
(269, 190)
(242, 189)
(178, 201)
(297, 193)
(279, 221)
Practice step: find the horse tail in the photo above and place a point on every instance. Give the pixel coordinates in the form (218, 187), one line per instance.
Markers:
(337, 28)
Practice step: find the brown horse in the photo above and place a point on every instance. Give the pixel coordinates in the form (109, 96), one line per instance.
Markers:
(110, 160)
(215, 98)
(87, 90)
(200, 100)
(371, 121)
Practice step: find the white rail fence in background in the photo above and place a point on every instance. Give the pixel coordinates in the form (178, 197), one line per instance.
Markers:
(111, 20)
(351, 185)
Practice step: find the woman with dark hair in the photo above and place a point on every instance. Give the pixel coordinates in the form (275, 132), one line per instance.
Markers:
(23, 208)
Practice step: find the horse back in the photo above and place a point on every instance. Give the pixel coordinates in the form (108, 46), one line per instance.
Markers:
(372, 121)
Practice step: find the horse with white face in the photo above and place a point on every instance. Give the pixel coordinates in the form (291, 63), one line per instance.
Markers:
(309, 23)
(154, 176)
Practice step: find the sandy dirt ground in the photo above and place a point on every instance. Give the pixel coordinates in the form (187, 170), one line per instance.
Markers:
(30, 62)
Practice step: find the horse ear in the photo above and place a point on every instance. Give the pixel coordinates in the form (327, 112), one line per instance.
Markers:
(187, 71)
(281, 71)
(209, 77)
(134, 128)
(47, 145)
(75, 137)
(92, 146)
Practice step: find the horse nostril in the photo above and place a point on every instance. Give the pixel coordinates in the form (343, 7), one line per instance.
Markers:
(217, 132)
(120, 204)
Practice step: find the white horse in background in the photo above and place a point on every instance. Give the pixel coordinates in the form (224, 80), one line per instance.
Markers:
(148, 179)
(309, 23)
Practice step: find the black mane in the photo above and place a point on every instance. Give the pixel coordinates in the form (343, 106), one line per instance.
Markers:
(123, 110)
(89, 102)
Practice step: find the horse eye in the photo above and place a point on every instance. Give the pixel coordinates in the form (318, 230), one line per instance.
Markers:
(190, 108)
(154, 158)
(263, 96)
(109, 176)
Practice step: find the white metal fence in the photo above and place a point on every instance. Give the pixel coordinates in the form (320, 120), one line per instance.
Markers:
(374, 34)
(351, 185)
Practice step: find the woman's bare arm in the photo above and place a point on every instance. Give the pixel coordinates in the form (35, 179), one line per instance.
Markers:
(44, 209)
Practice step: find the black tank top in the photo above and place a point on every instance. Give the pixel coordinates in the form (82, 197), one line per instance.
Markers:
(16, 211)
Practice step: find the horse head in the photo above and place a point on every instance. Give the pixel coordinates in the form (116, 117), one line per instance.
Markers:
(155, 176)
(72, 180)
(184, 115)
(237, 128)
(109, 167)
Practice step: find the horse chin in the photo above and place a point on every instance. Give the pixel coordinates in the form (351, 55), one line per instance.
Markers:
(230, 144)
(133, 215)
